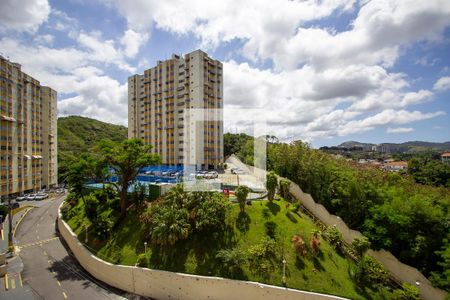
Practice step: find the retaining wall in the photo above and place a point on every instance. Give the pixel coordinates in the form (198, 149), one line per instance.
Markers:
(168, 285)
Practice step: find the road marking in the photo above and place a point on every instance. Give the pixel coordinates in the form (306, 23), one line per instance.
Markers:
(6, 282)
(65, 296)
(20, 279)
(59, 283)
(40, 243)
(13, 283)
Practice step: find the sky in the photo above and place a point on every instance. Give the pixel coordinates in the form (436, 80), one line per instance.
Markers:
(323, 71)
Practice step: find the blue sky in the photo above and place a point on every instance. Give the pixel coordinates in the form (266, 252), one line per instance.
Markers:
(321, 71)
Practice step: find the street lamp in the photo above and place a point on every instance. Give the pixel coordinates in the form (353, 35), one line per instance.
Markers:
(284, 272)
(145, 247)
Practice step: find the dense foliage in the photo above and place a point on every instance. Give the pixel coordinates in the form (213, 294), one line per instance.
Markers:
(395, 213)
(77, 135)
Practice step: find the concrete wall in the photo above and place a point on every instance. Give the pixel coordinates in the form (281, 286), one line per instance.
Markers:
(168, 285)
(398, 270)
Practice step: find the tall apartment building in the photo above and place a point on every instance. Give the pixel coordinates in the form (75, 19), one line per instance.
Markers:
(163, 101)
(28, 132)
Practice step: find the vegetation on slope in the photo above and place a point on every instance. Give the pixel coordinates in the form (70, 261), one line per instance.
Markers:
(248, 245)
(77, 135)
(409, 219)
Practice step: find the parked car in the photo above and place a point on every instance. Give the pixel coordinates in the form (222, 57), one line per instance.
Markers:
(30, 197)
(21, 198)
(41, 196)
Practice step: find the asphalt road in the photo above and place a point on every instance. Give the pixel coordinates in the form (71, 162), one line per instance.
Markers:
(48, 269)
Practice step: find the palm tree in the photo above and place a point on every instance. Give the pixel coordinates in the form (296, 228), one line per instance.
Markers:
(169, 225)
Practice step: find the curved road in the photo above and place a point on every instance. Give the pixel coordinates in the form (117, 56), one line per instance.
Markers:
(49, 271)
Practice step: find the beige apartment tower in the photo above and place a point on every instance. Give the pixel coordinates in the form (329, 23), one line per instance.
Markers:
(177, 107)
(28, 132)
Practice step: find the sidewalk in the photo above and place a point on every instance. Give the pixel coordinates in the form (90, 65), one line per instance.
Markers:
(11, 285)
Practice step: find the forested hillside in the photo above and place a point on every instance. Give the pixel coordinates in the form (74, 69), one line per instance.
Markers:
(407, 218)
(78, 134)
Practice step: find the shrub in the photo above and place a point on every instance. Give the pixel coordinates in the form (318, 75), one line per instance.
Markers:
(142, 260)
(334, 236)
(72, 199)
(270, 228)
(370, 273)
(299, 245)
(271, 183)
(361, 245)
(114, 203)
(90, 207)
(263, 257)
(66, 211)
(284, 188)
(101, 195)
(407, 292)
(315, 241)
(241, 193)
(102, 227)
(266, 212)
(232, 261)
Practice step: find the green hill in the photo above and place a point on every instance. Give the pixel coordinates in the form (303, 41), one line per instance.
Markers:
(78, 134)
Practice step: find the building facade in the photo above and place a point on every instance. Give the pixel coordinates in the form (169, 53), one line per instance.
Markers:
(177, 107)
(28, 132)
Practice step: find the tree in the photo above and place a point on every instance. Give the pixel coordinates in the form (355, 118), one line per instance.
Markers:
(126, 158)
(241, 193)
(78, 173)
(271, 183)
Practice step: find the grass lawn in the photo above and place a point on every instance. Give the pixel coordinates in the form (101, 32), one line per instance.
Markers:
(328, 272)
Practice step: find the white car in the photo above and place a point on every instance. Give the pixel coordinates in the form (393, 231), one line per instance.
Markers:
(21, 198)
(41, 196)
(30, 197)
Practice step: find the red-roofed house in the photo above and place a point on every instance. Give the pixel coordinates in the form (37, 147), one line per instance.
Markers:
(445, 157)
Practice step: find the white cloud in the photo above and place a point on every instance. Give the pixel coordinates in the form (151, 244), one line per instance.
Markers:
(272, 29)
(399, 129)
(132, 41)
(23, 15)
(45, 39)
(442, 84)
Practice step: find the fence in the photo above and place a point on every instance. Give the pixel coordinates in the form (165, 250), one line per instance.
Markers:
(398, 270)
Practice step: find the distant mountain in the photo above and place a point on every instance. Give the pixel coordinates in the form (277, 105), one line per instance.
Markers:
(78, 134)
(412, 146)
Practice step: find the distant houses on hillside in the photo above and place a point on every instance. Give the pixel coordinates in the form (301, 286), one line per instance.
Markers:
(445, 157)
